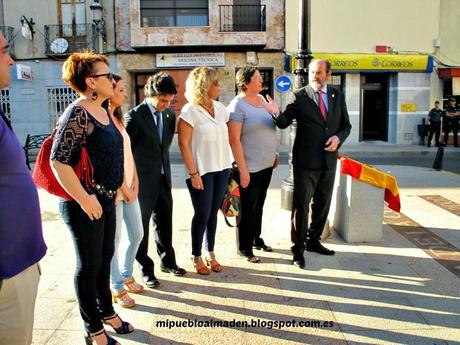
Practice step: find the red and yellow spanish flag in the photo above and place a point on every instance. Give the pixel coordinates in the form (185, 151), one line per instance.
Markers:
(368, 174)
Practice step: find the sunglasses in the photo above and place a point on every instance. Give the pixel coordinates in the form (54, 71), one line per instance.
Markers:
(109, 75)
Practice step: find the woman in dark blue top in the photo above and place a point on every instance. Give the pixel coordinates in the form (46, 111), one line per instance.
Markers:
(90, 216)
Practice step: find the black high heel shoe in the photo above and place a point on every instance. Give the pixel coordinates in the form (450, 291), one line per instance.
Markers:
(90, 337)
(123, 329)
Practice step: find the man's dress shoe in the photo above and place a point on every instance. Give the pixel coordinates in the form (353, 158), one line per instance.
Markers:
(151, 281)
(299, 263)
(317, 247)
(177, 271)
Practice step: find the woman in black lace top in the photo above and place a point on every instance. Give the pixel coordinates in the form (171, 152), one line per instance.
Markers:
(90, 216)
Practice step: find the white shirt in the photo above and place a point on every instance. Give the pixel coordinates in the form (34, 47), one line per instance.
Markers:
(209, 143)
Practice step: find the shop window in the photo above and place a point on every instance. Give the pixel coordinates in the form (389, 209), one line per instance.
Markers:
(58, 99)
(172, 13)
(338, 80)
(6, 105)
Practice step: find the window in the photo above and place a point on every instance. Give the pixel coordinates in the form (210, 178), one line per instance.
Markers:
(171, 13)
(5, 100)
(338, 80)
(58, 99)
(72, 16)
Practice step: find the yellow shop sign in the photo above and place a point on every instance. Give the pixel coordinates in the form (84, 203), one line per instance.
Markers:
(380, 62)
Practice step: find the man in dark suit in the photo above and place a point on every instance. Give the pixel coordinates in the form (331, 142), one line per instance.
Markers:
(151, 127)
(322, 126)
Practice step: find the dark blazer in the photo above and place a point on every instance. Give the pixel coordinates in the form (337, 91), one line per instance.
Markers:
(312, 130)
(148, 153)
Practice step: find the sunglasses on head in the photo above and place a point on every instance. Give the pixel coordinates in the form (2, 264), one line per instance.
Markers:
(109, 75)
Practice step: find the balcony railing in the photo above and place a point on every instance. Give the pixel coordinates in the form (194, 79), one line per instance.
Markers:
(8, 34)
(242, 18)
(69, 38)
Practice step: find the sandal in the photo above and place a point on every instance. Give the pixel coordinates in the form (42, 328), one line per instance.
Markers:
(199, 265)
(132, 285)
(123, 329)
(90, 337)
(123, 299)
(212, 262)
(252, 258)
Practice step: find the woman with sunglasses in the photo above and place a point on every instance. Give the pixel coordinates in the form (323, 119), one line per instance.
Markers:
(90, 216)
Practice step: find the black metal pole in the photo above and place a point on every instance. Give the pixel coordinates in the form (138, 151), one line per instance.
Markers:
(303, 59)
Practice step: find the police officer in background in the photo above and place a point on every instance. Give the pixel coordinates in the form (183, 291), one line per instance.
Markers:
(451, 117)
(434, 119)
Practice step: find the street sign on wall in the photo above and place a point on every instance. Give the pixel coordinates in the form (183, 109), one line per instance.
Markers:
(283, 83)
(190, 60)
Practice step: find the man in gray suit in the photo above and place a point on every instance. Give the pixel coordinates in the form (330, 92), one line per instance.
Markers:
(151, 127)
(322, 126)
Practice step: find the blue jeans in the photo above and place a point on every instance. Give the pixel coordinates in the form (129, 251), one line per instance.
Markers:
(121, 266)
(206, 204)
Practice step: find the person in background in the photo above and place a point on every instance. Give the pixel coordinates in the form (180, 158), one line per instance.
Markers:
(434, 119)
(127, 210)
(21, 239)
(90, 216)
(451, 118)
(322, 126)
(253, 140)
(151, 126)
(204, 144)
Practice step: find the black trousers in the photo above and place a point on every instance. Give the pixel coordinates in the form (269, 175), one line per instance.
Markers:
(159, 208)
(250, 217)
(435, 128)
(94, 242)
(316, 185)
(451, 126)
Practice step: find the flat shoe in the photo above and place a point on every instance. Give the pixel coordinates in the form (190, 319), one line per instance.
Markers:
(264, 247)
(252, 258)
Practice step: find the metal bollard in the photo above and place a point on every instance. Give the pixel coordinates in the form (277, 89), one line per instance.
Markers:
(437, 164)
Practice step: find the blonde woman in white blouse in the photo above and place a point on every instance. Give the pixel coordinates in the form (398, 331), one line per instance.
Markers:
(204, 144)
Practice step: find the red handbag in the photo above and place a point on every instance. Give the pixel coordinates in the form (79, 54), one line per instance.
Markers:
(44, 177)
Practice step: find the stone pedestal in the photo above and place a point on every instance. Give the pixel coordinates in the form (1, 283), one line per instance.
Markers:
(358, 211)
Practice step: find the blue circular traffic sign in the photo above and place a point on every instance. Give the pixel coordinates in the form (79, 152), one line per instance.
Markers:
(283, 83)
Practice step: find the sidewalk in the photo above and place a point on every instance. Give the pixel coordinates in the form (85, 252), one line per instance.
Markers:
(398, 291)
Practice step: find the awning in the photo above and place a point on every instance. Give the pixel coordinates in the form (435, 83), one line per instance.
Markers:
(447, 73)
(379, 62)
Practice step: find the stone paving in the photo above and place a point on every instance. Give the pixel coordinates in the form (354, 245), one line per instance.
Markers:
(390, 292)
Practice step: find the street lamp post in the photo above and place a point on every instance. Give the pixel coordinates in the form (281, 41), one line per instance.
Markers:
(303, 59)
(98, 23)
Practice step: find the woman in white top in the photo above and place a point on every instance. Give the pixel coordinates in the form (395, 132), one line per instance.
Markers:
(127, 209)
(203, 141)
